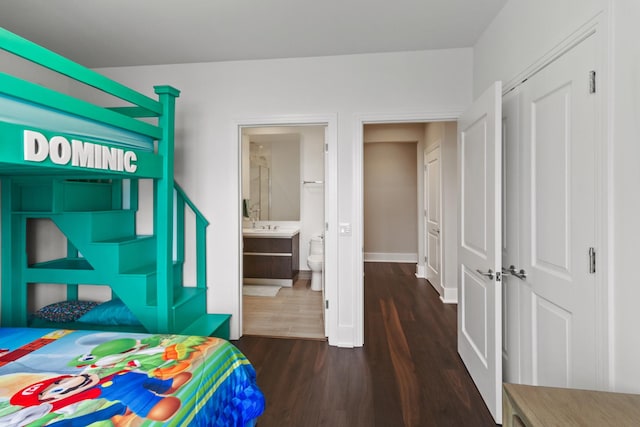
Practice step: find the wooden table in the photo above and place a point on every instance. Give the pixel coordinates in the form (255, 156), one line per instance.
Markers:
(534, 406)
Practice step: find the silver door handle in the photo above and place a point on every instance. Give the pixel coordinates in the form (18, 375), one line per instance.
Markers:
(490, 274)
(522, 275)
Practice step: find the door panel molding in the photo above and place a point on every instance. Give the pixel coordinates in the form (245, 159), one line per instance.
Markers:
(552, 344)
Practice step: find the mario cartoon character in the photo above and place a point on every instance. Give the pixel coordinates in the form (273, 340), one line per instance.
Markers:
(146, 397)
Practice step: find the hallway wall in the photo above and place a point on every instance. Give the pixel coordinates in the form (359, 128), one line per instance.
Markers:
(390, 202)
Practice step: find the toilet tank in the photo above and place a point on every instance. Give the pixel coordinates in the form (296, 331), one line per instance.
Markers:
(316, 245)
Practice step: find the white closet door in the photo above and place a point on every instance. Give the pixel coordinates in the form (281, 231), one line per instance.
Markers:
(479, 249)
(558, 221)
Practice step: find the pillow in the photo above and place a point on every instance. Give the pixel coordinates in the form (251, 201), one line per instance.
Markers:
(65, 311)
(113, 312)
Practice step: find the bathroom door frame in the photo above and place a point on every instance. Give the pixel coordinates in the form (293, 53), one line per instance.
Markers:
(330, 268)
(358, 205)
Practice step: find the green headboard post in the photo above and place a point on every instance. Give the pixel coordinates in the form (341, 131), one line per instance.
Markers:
(5, 242)
(14, 260)
(164, 208)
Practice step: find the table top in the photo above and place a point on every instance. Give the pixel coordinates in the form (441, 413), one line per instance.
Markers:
(550, 406)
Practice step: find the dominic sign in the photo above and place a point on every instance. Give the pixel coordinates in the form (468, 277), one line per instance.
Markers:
(61, 151)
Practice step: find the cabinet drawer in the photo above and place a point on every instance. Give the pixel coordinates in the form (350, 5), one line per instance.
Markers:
(267, 245)
(267, 266)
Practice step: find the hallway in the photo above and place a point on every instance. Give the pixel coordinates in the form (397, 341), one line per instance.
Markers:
(407, 374)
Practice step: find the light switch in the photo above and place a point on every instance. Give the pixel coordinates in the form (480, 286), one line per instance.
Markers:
(345, 229)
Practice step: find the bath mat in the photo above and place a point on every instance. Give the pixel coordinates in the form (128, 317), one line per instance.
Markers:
(260, 290)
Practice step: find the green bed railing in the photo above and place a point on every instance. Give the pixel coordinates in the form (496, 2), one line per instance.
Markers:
(32, 52)
(182, 203)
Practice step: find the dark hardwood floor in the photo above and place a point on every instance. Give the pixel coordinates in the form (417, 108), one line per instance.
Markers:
(407, 374)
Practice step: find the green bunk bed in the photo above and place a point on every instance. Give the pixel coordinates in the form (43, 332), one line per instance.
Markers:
(78, 165)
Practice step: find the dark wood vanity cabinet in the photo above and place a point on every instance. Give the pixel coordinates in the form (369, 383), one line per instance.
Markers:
(266, 258)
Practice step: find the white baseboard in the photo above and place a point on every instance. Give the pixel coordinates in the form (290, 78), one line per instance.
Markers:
(304, 274)
(450, 296)
(420, 271)
(437, 288)
(390, 257)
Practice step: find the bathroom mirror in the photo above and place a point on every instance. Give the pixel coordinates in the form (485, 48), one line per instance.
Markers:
(274, 177)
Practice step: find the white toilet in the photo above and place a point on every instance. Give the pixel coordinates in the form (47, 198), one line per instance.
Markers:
(315, 261)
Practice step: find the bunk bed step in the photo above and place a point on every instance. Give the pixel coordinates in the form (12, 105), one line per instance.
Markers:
(63, 196)
(139, 289)
(66, 270)
(97, 225)
(183, 312)
(150, 269)
(64, 263)
(188, 305)
(127, 253)
(214, 325)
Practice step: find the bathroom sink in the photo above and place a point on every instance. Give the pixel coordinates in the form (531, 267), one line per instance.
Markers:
(270, 232)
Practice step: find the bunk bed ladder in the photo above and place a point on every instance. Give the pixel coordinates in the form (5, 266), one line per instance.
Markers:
(104, 249)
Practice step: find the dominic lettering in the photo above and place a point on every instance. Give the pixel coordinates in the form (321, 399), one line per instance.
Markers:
(80, 154)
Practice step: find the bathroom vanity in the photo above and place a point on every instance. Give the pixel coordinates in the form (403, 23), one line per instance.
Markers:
(271, 256)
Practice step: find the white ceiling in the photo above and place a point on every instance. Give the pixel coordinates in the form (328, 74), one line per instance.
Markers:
(102, 33)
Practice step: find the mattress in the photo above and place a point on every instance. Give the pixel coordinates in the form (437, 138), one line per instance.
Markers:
(59, 377)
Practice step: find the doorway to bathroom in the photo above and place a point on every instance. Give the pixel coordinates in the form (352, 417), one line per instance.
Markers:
(284, 220)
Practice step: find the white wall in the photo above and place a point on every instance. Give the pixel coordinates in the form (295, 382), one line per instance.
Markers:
(523, 32)
(217, 95)
(390, 201)
(625, 149)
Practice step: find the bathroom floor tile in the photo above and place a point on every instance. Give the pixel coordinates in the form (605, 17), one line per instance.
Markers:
(294, 312)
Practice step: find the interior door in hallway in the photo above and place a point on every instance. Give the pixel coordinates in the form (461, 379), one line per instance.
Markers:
(479, 248)
(558, 225)
(433, 210)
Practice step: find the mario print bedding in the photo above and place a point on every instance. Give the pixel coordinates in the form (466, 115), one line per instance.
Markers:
(90, 378)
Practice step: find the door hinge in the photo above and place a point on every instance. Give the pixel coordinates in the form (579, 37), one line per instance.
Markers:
(326, 304)
(592, 81)
(498, 276)
(326, 226)
(326, 148)
(592, 260)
